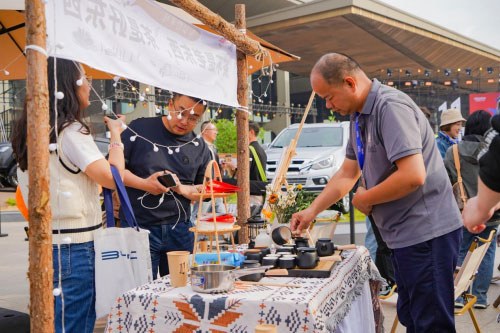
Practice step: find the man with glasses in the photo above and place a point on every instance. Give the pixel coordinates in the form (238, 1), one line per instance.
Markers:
(208, 132)
(155, 147)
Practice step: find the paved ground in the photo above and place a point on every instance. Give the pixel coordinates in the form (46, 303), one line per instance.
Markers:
(14, 288)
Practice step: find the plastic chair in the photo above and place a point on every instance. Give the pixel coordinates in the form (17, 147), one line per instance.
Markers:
(464, 277)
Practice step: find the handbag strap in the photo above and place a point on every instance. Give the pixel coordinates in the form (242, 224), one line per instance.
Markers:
(456, 159)
(124, 201)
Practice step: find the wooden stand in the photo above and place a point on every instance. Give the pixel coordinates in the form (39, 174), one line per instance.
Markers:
(212, 172)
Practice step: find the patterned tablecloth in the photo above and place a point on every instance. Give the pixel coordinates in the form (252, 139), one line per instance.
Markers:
(318, 306)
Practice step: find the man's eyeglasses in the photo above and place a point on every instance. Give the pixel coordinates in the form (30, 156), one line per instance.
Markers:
(191, 118)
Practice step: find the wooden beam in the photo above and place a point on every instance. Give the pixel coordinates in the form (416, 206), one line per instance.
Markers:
(40, 231)
(243, 173)
(226, 29)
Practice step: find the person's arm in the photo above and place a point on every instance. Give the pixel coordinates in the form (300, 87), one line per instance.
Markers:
(188, 191)
(150, 184)
(340, 184)
(100, 170)
(408, 177)
(479, 209)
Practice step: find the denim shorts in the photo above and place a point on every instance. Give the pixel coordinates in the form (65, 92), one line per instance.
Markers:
(77, 282)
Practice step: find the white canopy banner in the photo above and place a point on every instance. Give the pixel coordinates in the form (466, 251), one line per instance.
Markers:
(141, 41)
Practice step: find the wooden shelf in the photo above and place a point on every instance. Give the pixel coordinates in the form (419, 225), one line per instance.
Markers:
(213, 232)
(208, 195)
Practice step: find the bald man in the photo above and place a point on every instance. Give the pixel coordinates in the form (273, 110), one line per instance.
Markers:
(405, 188)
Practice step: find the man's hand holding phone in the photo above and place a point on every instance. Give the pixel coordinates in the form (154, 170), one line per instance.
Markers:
(155, 185)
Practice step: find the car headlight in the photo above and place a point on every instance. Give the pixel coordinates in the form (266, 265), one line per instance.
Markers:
(324, 163)
(4, 149)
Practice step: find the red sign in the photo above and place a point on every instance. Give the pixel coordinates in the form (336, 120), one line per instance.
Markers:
(488, 101)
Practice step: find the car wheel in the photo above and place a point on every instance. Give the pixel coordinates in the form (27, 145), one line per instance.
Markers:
(12, 176)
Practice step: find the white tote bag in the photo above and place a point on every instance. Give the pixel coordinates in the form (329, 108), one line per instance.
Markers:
(123, 260)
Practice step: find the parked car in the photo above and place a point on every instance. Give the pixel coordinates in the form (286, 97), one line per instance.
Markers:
(319, 154)
(8, 166)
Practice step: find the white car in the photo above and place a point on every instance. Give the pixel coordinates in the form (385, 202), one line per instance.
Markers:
(319, 154)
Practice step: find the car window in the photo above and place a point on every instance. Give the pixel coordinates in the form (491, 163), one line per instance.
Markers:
(311, 137)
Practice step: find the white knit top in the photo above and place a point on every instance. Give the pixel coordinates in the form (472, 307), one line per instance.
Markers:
(74, 198)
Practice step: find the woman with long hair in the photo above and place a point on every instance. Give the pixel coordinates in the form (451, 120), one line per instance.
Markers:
(76, 167)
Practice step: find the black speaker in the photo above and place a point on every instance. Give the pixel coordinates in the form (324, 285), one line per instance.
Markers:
(14, 321)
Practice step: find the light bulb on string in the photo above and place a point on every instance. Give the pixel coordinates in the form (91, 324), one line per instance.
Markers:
(141, 98)
(169, 117)
(179, 115)
(59, 95)
(104, 107)
(177, 149)
(53, 147)
(114, 84)
(79, 82)
(191, 111)
(6, 72)
(195, 143)
(170, 151)
(155, 148)
(56, 292)
(204, 102)
(133, 137)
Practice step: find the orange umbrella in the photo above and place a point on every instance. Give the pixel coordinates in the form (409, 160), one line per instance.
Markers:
(13, 41)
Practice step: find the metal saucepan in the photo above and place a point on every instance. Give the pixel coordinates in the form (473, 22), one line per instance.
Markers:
(219, 278)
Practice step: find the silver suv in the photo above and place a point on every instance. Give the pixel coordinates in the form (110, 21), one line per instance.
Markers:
(320, 153)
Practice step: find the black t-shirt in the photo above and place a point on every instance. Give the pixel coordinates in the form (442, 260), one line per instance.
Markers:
(490, 162)
(188, 164)
(254, 171)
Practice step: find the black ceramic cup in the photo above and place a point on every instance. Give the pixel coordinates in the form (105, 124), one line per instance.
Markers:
(286, 263)
(253, 255)
(301, 242)
(254, 276)
(270, 261)
(281, 235)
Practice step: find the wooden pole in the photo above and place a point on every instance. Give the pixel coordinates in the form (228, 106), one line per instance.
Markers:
(226, 29)
(243, 173)
(40, 232)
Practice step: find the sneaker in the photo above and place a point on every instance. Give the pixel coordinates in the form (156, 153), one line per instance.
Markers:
(480, 306)
(459, 305)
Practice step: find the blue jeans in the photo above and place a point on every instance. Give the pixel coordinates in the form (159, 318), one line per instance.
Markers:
(77, 280)
(424, 274)
(484, 274)
(164, 238)
(370, 240)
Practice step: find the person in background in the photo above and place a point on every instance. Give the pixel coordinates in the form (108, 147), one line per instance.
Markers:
(405, 189)
(166, 212)
(468, 150)
(258, 161)
(209, 134)
(481, 208)
(449, 130)
(76, 169)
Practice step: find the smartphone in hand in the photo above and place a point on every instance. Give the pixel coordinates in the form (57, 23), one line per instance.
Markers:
(108, 113)
(167, 180)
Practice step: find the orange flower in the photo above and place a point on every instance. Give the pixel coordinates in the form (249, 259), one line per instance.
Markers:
(273, 198)
(267, 214)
